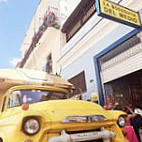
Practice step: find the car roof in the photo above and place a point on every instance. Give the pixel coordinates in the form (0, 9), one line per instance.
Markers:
(20, 76)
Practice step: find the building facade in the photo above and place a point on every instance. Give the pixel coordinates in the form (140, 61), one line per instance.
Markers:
(42, 37)
(95, 54)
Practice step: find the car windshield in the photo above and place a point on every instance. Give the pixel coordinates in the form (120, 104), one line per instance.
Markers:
(33, 96)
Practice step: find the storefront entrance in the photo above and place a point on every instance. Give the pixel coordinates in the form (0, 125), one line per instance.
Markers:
(126, 90)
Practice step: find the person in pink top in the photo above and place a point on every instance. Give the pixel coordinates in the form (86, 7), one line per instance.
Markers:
(129, 130)
(130, 134)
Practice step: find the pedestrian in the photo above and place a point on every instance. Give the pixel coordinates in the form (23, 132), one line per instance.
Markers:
(128, 129)
(136, 122)
(109, 106)
(135, 119)
(112, 106)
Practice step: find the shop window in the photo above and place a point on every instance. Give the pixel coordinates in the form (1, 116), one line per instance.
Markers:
(79, 81)
(118, 91)
(135, 85)
(126, 90)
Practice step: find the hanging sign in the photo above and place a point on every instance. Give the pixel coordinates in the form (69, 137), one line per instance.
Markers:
(118, 13)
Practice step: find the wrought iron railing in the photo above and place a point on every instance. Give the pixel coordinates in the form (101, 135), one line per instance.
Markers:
(50, 20)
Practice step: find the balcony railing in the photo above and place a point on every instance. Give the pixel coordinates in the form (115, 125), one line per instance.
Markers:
(49, 20)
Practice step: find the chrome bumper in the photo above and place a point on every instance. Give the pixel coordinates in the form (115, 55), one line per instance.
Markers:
(64, 137)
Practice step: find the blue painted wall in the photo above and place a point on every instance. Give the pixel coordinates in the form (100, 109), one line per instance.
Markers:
(86, 61)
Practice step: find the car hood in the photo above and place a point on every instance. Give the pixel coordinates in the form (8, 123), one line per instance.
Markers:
(58, 110)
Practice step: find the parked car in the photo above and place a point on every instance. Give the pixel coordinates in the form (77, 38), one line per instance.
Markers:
(36, 107)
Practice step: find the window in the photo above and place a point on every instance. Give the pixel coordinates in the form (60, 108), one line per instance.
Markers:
(14, 99)
(49, 64)
(79, 81)
(73, 30)
(19, 97)
(78, 18)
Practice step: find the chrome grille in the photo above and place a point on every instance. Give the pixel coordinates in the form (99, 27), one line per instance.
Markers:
(100, 140)
(85, 131)
(82, 131)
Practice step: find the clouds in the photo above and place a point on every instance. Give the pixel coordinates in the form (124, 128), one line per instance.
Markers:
(14, 61)
(3, 1)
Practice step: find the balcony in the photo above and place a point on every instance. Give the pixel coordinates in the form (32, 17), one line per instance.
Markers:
(49, 20)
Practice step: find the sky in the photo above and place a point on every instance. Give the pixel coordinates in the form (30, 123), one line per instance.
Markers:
(15, 18)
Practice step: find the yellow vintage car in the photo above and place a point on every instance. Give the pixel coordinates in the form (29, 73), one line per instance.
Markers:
(36, 107)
